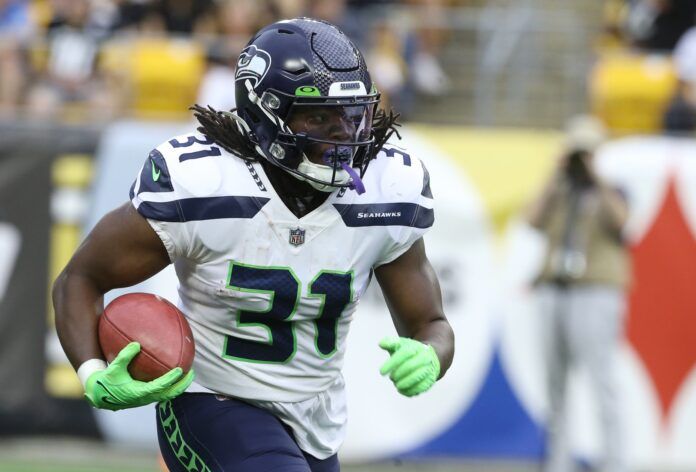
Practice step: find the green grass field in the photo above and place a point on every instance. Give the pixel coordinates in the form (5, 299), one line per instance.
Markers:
(26, 466)
(68, 455)
(40, 467)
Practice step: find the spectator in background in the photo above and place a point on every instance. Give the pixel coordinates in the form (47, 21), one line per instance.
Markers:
(329, 10)
(405, 48)
(389, 69)
(338, 13)
(139, 15)
(680, 116)
(14, 18)
(15, 29)
(427, 74)
(181, 18)
(217, 85)
(235, 23)
(581, 289)
(657, 25)
(613, 31)
(187, 17)
(70, 76)
(237, 20)
(286, 8)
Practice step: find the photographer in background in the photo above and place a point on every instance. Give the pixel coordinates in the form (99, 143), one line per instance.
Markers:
(581, 289)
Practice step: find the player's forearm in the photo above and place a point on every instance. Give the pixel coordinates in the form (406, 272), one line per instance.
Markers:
(77, 301)
(439, 334)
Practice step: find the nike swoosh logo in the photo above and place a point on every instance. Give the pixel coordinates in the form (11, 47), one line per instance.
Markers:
(104, 398)
(155, 172)
(108, 401)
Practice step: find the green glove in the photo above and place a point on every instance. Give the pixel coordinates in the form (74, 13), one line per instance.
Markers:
(114, 389)
(412, 365)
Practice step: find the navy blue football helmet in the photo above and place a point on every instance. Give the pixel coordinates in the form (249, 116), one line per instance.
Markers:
(303, 89)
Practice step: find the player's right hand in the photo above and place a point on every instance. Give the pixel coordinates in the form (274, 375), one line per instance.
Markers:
(114, 389)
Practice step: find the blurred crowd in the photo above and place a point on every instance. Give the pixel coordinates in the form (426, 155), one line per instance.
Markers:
(93, 60)
(96, 60)
(660, 27)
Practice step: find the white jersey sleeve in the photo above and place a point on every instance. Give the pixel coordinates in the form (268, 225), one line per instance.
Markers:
(405, 191)
(173, 186)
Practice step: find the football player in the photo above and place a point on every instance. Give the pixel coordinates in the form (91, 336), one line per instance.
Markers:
(276, 215)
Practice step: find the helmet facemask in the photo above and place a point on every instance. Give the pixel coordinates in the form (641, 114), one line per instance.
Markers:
(325, 141)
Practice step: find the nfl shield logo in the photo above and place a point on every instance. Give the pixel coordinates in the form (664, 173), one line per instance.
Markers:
(297, 236)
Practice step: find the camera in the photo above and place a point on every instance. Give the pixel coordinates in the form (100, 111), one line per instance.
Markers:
(576, 167)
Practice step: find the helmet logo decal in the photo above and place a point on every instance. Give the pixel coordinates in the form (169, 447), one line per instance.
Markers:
(307, 91)
(350, 85)
(342, 89)
(253, 64)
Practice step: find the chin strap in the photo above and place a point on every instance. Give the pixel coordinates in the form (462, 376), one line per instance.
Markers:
(355, 182)
(330, 157)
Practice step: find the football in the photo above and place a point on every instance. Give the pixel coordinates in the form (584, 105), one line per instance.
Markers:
(161, 329)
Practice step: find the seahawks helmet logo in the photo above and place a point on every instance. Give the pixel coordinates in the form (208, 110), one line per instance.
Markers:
(253, 64)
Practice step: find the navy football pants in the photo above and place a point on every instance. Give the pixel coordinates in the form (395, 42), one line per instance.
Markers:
(200, 432)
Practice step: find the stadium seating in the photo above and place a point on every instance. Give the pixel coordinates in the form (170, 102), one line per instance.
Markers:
(631, 91)
(162, 74)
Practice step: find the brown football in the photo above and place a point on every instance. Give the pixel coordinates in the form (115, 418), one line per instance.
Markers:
(161, 329)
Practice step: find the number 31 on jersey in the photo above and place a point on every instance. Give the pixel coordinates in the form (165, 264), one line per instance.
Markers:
(333, 287)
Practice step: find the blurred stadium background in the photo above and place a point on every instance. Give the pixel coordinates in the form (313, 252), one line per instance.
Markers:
(88, 87)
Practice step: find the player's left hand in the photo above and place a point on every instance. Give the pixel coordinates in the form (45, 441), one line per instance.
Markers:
(412, 365)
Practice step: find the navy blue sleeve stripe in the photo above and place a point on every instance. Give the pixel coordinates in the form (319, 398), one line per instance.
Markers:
(131, 194)
(386, 214)
(198, 209)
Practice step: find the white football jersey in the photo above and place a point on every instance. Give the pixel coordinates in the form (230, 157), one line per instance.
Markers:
(270, 296)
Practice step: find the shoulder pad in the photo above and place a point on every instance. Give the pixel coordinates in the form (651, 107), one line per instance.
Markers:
(399, 175)
(188, 179)
(192, 162)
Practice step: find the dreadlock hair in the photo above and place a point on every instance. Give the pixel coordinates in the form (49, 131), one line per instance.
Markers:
(383, 127)
(223, 129)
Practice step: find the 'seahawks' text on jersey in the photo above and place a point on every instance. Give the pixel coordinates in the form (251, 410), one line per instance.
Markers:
(270, 296)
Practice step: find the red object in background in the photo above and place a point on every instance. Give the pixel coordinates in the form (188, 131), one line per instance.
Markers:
(161, 329)
(662, 302)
